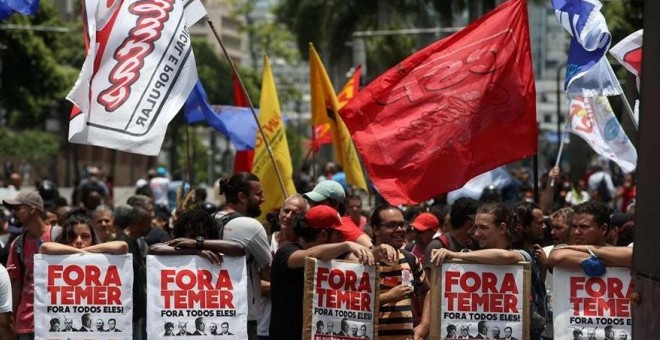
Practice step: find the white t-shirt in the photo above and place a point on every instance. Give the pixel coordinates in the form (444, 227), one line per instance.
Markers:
(251, 234)
(5, 291)
(160, 186)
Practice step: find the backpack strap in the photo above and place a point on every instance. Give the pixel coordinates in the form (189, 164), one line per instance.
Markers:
(222, 221)
(19, 246)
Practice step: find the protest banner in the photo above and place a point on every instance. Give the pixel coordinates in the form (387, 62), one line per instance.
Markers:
(476, 300)
(91, 293)
(188, 295)
(593, 307)
(340, 301)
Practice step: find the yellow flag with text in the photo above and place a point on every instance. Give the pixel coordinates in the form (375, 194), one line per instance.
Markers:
(325, 108)
(270, 119)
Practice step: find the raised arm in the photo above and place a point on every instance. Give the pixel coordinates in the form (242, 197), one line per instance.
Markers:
(112, 247)
(54, 248)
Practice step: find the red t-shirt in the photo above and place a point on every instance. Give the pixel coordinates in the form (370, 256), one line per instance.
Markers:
(348, 228)
(25, 312)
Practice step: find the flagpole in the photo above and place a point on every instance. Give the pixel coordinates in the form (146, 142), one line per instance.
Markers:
(562, 135)
(254, 113)
(188, 161)
(630, 111)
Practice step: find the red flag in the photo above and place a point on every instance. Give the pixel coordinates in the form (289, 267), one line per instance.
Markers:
(243, 159)
(458, 108)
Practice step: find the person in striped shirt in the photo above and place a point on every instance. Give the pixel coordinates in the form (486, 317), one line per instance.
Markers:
(400, 282)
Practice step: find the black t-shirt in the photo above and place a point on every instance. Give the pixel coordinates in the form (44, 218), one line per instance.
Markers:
(156, 235)
(139, 278)
(286, 285)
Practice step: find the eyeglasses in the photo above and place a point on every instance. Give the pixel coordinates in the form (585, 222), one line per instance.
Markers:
(395, 225)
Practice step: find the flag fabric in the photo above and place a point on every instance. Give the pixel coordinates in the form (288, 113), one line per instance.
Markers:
(322, 134)
(270, 119)
(461, 106)
(325, 104)
(9, 7)
(234, 122)
(243, 158)
(593, 120)
(137, 74)
(629, 53)
(588, 73)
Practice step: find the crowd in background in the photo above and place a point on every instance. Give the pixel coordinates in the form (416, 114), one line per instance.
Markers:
(167, 216)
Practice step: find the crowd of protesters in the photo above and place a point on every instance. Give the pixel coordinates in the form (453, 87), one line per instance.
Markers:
(329, 220)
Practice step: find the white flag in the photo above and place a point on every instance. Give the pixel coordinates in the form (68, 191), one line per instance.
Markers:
(593, 120)
(629, 53)
(138, 72)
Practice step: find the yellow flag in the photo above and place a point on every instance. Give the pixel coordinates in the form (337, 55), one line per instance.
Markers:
(325, 108)
(270, 119)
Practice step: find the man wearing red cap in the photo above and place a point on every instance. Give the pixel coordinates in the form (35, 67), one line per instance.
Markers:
(29, 210)
(425, 225)
(319, 238)
(332, 194)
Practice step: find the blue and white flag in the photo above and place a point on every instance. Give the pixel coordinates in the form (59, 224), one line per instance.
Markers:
(588, 73)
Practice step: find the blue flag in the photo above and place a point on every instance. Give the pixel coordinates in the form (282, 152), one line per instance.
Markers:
(588, 73)
(237, 123)
(9, 7)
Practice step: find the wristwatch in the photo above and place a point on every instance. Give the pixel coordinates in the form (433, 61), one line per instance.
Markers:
(200, 242)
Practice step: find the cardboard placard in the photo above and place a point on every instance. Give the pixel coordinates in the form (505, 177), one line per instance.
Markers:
(594, 307)
(340, 301)
(83, 296)
(469, 298)
(188, 295)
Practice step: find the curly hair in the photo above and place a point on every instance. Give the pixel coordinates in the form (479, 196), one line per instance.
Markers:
(196, 222)
(73, 218)
(239, 182)
(302, 229)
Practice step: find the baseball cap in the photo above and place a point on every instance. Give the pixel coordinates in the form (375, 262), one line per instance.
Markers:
(325, 190)
(31, 199)
(161, 171)
(322, 217)
(425, 221)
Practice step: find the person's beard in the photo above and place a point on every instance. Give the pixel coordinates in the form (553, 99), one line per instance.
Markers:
(253, 210)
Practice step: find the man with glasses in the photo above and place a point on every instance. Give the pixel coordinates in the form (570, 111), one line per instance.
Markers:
(400, 282)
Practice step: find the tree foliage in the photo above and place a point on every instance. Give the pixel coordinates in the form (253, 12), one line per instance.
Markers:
(31, 145)
(35, 70)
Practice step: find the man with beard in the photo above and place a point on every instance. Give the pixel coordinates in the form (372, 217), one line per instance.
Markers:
(461, 218)
(400, 282)
(529, 226)
(213, 328)
(244, 194)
